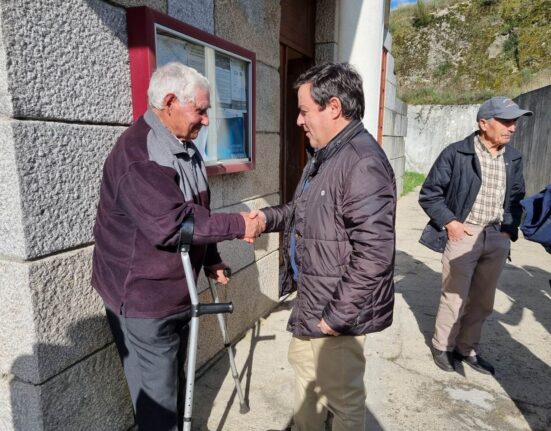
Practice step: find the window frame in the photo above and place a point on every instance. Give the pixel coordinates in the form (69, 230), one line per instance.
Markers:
(142, 25)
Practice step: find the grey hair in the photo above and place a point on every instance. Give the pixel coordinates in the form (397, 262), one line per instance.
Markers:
(338, 80)
(178, 79)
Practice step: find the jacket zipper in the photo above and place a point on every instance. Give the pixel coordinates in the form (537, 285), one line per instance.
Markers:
(307, 178)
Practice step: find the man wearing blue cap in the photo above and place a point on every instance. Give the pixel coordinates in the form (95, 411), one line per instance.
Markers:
(472, 195)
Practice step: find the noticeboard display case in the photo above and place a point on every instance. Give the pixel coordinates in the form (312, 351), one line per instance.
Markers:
(155, 39)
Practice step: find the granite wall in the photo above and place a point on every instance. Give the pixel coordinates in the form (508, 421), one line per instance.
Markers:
(64, 99)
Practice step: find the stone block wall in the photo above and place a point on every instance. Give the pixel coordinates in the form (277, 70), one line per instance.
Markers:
(64, 99)
(395, 121)
(327, 31)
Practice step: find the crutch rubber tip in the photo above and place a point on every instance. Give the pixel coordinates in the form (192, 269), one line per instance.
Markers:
(244, 408)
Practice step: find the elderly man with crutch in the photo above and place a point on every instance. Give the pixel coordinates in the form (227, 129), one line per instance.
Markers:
(153, 179)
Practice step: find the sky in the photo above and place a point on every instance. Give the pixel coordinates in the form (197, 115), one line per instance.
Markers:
(395, 3)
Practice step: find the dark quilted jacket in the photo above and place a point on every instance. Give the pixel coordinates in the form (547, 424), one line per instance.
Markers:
(345, 239)
(452, 185)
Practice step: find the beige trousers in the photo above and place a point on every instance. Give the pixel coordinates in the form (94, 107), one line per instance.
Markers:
(329, 375)
(470, 271)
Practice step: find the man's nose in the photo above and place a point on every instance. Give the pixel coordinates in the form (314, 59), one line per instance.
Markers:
(300, 120)
(205, 119)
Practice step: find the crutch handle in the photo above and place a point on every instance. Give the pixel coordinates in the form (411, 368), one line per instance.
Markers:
(221, 307)
(186, 234)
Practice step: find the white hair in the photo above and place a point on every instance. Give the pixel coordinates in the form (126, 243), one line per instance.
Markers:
(178, 79)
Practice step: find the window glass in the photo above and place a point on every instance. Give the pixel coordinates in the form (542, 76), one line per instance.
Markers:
(228, 137)
(171, 48)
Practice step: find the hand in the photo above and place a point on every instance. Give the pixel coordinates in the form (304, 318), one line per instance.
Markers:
(260, 214)
(326, 329)
(216, 272)
(457, 230)
(255, 224)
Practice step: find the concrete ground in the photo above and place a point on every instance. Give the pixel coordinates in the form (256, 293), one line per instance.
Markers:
(406, 391)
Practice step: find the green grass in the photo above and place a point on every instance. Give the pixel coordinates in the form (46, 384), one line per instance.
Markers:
(422, 15)
(436, 96)
(412, 180)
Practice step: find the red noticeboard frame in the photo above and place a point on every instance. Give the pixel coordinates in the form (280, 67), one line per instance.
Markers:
(141, 23)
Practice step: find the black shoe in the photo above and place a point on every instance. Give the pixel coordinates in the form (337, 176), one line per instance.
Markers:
(444, 360)
(477, 363)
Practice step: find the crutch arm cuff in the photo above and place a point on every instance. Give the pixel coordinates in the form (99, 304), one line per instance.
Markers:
(186, 234)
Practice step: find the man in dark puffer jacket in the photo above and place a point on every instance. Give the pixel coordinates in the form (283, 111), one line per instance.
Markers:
(338, 249)
(472, 195)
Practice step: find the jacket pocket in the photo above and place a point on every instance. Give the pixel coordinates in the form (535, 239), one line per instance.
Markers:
(434, 238)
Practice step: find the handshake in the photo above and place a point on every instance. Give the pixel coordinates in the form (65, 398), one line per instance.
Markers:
(255, 224)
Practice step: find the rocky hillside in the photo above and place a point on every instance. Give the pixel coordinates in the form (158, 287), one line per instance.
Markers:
(463, 51)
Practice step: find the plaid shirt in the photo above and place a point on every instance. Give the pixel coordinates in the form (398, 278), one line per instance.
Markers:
(488, 206)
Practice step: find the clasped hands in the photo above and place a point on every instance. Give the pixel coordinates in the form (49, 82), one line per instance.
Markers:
(255, 224)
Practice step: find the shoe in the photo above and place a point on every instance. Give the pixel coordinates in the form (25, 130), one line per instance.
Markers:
(444, 360)
(477, 363)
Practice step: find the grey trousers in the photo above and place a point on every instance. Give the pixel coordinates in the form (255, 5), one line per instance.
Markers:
(153, 352)
(471, 269)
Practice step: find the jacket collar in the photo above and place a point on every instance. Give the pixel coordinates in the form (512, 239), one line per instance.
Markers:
(173, 144)
(341, 138)
(467, 145)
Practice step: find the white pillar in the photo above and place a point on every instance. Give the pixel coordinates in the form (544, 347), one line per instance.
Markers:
(361, 29)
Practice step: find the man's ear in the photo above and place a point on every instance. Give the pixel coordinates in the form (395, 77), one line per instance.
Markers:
(169, 100)
(335, 107)
(483, 124)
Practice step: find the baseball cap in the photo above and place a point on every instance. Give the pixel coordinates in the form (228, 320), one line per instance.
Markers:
(500, 107)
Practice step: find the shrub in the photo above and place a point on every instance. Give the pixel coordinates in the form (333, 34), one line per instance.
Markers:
(443, 69)
(487, 3)
(422, 16)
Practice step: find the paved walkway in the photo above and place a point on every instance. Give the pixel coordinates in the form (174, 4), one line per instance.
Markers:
(406, 391)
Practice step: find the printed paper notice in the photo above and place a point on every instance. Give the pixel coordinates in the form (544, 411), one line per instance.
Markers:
(238, 82)
(223, 78)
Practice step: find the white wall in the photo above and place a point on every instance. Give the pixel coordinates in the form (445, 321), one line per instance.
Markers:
(433, 127)
(361, 25)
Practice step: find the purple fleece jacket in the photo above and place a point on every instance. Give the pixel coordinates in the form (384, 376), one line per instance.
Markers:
(136, 267)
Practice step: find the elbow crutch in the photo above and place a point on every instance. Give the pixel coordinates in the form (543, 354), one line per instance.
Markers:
(186, 235)
(243, 407)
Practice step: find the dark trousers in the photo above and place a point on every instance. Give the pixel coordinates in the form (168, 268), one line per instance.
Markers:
(153, 352)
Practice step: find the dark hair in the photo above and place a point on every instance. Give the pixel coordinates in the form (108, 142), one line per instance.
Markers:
(338, 80)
